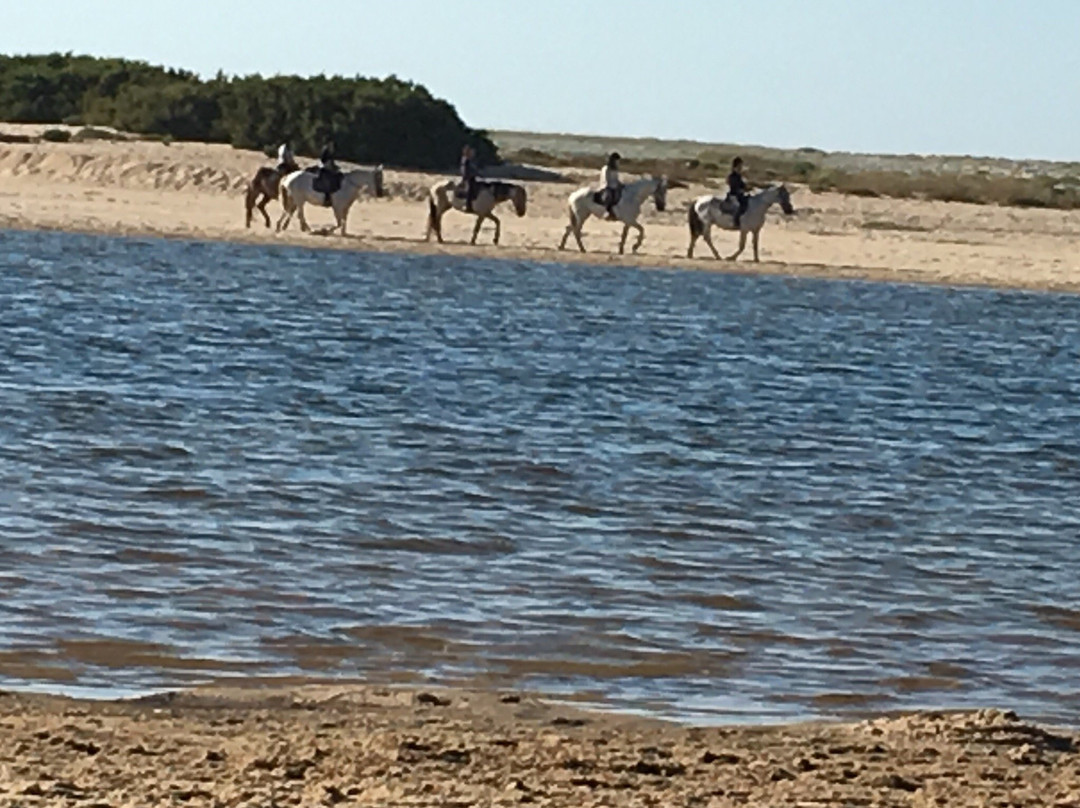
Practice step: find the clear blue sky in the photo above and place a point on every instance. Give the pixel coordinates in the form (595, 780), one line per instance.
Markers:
(985, 77)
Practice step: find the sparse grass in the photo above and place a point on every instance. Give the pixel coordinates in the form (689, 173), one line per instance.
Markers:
(89, 133)
(981, 181)
(904, 227)
(977, 189)
(56, 135)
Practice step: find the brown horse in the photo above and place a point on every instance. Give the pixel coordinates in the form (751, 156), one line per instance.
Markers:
(266, 184)
(443, 196)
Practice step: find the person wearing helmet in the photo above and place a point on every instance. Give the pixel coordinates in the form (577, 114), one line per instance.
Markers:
(611, 188)
(737, 189)
(469, 174)
(329, 176)
(286, 160)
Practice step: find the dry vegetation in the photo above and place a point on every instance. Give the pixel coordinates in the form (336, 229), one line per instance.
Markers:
(984, 181)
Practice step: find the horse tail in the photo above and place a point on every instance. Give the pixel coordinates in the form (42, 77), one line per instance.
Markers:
(697, 227)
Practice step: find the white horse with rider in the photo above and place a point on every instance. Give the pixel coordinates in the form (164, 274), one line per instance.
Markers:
(588, 201)
(445, 196)
(719, 211)
(298, 190)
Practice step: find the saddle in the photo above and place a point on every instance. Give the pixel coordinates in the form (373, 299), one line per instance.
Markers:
(602, 198)
(326, 181)
(732, 207)
(462, 188)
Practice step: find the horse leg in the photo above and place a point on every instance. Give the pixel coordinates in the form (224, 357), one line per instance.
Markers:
(262, 209)
(287, 208)
(566, 233)
(640, 237)
(742, 246)
(498, 227)
(707, 235)
(575, 228)
(342, 216)
(622, 241)
(249, 205)
(579, 224)
(434, 221)
(300, 215)
(476, 228)
(757, 260)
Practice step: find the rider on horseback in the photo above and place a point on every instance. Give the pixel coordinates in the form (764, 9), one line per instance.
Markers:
(737, 189)
(611, 188)
(286, 160)
(328, 179)
(468, 175)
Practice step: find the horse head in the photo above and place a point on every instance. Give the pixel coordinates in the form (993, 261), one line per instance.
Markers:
(660, 194)
(784, 198)
(520, 198)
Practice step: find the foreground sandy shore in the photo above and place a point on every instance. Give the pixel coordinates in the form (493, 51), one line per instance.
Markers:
(324, 745)
(195, 191)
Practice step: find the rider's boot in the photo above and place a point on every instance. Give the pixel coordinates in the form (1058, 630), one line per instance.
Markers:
(610, 214)
(329, 201)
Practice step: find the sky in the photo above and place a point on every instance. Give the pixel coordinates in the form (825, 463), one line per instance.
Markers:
(980, 77)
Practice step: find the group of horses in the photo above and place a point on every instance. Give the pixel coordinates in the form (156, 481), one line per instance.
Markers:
(297, 189)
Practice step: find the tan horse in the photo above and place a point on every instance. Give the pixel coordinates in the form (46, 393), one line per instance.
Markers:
(442, 197)
(266, 184)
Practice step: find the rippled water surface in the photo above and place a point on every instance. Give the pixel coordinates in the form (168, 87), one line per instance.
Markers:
(721, 497)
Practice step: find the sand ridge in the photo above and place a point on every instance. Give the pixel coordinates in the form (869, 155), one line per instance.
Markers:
(366, 745)
(193, 190)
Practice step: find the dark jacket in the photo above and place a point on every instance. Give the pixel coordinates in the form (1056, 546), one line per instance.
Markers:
(468, 169)
(736, 184)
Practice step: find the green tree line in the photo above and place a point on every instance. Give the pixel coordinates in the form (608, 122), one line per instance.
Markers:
(369, 120)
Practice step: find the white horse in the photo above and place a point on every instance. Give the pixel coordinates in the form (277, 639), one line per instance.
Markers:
(712, 210)
(298, 189)
(585, 202)
(443, 196)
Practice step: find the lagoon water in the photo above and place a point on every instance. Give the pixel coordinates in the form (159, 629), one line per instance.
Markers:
(705, 496)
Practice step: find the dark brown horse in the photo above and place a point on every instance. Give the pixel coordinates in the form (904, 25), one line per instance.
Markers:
(443, 196)
(265, 184)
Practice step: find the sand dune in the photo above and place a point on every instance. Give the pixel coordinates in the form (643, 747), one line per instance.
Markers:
(195, 190)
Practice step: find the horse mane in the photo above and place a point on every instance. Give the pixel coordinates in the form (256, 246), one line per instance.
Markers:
(501, 190)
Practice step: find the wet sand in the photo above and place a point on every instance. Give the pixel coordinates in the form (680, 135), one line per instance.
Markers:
(191, 190)
(367, 745)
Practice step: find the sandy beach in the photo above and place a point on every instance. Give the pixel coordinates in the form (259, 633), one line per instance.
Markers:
(191, 190)
(303, 743)
(356, 745)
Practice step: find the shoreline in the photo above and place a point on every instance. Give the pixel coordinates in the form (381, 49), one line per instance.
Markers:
(195, 191)
(379, 745)
(379, 245)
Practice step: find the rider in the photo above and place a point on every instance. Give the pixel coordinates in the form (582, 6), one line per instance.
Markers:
(286, 160)
(329, 174)
(468, 175)
(610, 185)
(737, 188)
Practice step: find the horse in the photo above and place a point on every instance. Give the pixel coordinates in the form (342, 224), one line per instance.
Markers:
(583, 204)
(298, 189)
(709, 210)
(442, 197)
(264, 184)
